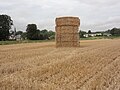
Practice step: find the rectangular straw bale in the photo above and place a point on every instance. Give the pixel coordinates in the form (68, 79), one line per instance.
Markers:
(75, 29)
(65, 29)
(67, 44)
(67, 21)
(67, 32)
(58, 30)
(67, 37)
(76, 44)
(76, 36)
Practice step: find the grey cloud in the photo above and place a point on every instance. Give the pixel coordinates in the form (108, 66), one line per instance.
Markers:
(94, 14)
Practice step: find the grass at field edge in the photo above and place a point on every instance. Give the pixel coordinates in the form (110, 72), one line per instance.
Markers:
(40, 41)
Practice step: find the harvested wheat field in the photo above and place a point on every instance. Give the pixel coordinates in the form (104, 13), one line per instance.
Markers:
(40, 66)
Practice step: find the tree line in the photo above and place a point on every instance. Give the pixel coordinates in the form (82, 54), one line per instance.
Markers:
(113, 32)
(33, 33)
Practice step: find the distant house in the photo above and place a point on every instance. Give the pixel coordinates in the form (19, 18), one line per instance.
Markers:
(12, 37)
(18, 37)
(107, 34)
(86, 35)
(92, 34)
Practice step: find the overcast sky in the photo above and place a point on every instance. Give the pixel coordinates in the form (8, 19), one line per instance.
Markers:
(97, 15)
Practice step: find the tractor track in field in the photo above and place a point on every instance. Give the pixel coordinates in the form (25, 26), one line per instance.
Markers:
(100, 71)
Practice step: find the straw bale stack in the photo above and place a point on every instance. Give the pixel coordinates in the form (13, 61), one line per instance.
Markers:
(67, 32)
(66, 21)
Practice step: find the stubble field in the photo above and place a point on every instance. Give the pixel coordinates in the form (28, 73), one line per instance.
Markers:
(40, 66)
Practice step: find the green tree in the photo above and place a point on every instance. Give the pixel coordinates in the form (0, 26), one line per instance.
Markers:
(51, 34)
(24, 35)
(45, 34)
(89, 32)
(115, 31)
(5, 26)
(82, 33)
(19, 33)
(35, 34)
(32, 32)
